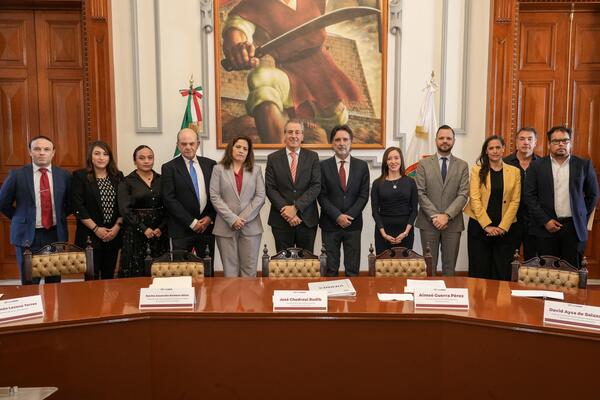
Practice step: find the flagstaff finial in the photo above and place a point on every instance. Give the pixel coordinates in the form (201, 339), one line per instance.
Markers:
(192, 80)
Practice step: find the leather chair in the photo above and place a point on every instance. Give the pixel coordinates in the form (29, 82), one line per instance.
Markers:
(179, 263)
(293, 262)
(399, 262)
(549, 272)
(57, 259)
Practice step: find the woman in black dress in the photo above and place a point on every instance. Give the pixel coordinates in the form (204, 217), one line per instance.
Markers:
(145, 221)
(94, 197)
(394, 203)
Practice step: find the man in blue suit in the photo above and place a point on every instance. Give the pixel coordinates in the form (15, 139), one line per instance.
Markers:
(561, 191)
(35, 199)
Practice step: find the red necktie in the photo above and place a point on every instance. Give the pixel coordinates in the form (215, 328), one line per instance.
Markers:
(342, 175)
(45, 199)
(294, 165)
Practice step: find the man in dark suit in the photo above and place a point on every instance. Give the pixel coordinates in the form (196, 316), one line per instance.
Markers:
(526, 140)
(184, 183)
(36, 200)
(344, 195)
(561, 192)
(293, 182)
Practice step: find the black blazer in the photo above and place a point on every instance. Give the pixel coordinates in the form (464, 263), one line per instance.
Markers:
(179, 196)
(539, 194)
(334, 201)
(85, 197)
(282, 192)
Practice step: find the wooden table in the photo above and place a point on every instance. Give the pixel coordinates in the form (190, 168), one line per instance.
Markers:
(94, 343)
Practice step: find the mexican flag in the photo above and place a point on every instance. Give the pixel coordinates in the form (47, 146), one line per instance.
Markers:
(421, 144)
(192, 114)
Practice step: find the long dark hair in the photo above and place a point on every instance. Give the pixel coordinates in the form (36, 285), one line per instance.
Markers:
(141, 147)
(385, 171)
(111, 168)
(227, 160)
(484, 160)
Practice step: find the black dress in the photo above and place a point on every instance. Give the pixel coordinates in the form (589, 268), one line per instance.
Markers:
(141, 207)
(394, 205)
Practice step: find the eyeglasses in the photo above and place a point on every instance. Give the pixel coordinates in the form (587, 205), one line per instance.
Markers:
(560, 141)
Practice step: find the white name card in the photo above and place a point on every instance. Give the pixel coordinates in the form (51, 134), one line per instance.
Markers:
(395, 296)
(300, 300)
(574, 315)
(21, 308)
(448, 299)
(339, 287)
(412, 284)
(551, 294)
(167, 298)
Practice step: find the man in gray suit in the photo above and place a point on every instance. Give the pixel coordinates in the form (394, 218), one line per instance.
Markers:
(443, 186)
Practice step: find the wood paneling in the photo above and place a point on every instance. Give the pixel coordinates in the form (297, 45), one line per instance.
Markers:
(536, 105)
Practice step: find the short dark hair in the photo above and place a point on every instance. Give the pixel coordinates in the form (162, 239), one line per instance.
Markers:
(527, 129)
(40, 137)
(141, 147)
(445, 127)
(338, 128)
(564, 129)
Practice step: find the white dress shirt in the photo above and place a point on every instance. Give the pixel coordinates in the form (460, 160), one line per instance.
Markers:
(201, 185)
(560, 176)
(37, 175)
(346, 166)
(448, 158)
(289, 157)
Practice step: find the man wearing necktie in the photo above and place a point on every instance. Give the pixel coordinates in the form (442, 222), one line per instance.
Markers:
(443, 186)
(344, 195)
(293, 182)
(36, 200)
(185, 181)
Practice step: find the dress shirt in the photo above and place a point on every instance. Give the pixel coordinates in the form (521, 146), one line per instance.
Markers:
(201, 185)
(560, 176)
(448, 158)
(37, 175)
(289, 157)
(346, 166)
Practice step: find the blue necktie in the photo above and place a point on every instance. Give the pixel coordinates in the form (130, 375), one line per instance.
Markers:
(444, 169)
(194, 179)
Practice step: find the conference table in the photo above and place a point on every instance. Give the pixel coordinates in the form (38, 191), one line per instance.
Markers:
(94, 343)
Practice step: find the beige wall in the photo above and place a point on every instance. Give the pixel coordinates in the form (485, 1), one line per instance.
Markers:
(179, 56)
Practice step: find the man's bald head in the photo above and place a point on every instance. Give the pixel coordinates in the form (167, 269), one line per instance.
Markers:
(187, 143)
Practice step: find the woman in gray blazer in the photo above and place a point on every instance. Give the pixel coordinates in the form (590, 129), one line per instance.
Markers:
(237, 192)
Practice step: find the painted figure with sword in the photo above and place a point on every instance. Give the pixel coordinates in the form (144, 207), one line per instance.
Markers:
(305, 83)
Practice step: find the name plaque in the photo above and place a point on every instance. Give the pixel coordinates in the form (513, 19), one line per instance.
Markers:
(447, 299)
(300, 300)
(21, 308)
(572, 315)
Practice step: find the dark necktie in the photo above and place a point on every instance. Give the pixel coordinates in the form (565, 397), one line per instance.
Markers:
(45, 199)
(342, 175)
(444, 168)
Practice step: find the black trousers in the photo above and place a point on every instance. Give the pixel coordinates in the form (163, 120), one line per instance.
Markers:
(105, 259)
(522, 236)
(300, 236)
(351, 241)
(563, 244)
(394, 225)
(41, 238)
(489, 256)
(197, 242)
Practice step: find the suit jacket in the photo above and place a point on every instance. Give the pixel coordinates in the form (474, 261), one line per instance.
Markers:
(17, 202)
(231, 205)
(438, 197)
(539, 194)
(303, 193)
(179, 196)
(334, 201)
(87, 203)
(479, 197)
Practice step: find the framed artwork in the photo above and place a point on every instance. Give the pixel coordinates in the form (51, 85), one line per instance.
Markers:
(323, 62)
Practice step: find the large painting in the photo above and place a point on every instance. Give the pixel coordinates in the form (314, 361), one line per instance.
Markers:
(316, 60)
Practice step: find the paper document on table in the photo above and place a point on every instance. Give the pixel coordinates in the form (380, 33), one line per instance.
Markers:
(411, 284)
(172, 282)
(395, 296)
(339, 287)
(539, 293)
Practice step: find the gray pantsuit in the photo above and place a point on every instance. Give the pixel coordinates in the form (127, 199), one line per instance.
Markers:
(239, 254)
(439, 196)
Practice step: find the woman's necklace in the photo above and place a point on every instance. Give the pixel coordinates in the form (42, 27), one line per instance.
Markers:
(395, 183)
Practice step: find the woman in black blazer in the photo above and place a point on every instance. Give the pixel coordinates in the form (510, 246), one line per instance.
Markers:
(94, 195)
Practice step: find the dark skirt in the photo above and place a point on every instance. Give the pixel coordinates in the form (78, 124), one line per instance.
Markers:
(394, 225)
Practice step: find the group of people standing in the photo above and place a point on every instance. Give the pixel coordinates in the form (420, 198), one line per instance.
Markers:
(542, 203)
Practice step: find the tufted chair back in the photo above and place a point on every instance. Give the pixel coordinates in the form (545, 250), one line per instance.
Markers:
(549, 272)
(399, 262)
(179, 263)
(59, 258)
(293, 263)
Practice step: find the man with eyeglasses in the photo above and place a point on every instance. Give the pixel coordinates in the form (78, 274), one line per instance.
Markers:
(561, 191)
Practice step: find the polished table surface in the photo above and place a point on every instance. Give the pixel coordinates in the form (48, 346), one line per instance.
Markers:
(232, 345)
